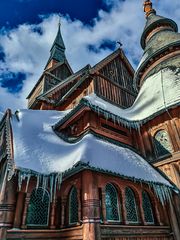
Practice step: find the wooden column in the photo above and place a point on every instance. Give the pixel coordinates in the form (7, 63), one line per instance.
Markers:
(91, 211)
(27, 199)
(7, 205)
(63, 207)
(79, 206)
(19, 210)
(53, 214)
(103, 205)
(123, 206)
(141, 210)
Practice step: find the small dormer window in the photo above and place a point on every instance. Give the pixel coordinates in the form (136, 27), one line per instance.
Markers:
(162, 143)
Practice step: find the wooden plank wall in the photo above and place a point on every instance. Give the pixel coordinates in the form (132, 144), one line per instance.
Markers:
(115, 83)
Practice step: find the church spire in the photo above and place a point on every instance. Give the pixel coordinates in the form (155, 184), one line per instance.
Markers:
(57, 52)
(148, 9)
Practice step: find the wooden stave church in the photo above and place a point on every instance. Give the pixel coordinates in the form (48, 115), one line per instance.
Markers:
(61, 90)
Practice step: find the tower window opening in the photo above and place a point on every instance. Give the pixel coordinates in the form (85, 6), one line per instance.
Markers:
(162, 143)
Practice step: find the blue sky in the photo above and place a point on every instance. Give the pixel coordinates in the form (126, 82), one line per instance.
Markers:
(20, 11)
(90, 30)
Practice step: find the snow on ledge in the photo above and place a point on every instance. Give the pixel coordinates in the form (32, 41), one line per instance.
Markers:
(158, 93)
(38, 148)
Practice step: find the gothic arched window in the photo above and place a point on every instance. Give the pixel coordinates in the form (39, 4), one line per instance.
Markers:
(111, 200)
(73, 206)
(147, 208)
(162, 143)
(38, 209)
(131, 208)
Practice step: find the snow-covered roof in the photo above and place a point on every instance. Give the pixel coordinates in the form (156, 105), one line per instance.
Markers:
(158, 93)
(37, 147)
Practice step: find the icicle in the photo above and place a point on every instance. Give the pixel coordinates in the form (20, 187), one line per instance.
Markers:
(51, 186)
(44, 185)
(55, 184)
(59, 180)
(19, 181)
(38, 181)
(27, 183)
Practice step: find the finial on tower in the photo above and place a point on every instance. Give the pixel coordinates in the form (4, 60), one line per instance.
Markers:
(59, 22)
(148, 8)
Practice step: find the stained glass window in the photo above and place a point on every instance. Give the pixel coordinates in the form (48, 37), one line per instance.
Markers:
(38, 209)
(73, 206)
(111, 200)
(162, 143)
(147, 208)
(131, 208)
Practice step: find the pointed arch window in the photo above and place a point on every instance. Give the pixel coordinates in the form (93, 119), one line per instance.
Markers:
(73, 206)
(147, 208)
(131, 207)
(162, 143)
(111, 201)
(38, 209)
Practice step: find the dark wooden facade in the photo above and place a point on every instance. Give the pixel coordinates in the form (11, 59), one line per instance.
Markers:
(61, 89)
(112, 79)
(92, 223)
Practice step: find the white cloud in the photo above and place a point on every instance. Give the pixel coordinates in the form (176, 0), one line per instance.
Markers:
(27, 51)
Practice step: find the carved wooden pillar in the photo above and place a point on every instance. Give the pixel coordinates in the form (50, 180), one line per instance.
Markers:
(91, 211)
(79, 205)
(63, 207)
(157, 213)
(19, 209)
(53, 214)
(141, 210)
(103, 205)
(27, 199)
(7, 206)
(123, 206)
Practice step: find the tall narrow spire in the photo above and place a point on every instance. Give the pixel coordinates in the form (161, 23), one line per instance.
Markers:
(57, 51)
(148, 9)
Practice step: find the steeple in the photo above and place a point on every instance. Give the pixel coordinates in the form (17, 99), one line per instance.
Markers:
(57, 52)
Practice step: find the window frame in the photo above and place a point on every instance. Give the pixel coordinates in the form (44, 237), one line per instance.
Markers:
(69, 213)
(158, 156)
(152, 213)
(118, 207)
(39, 225)
(136, 207)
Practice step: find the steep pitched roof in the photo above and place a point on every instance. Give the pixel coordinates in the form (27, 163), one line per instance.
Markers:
(57, 51)
(110, 57)
(63, 83)
(159, 93)
(87, 70)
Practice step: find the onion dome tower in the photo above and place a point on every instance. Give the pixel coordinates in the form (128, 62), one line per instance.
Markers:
(160, 41)
(157, 79)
